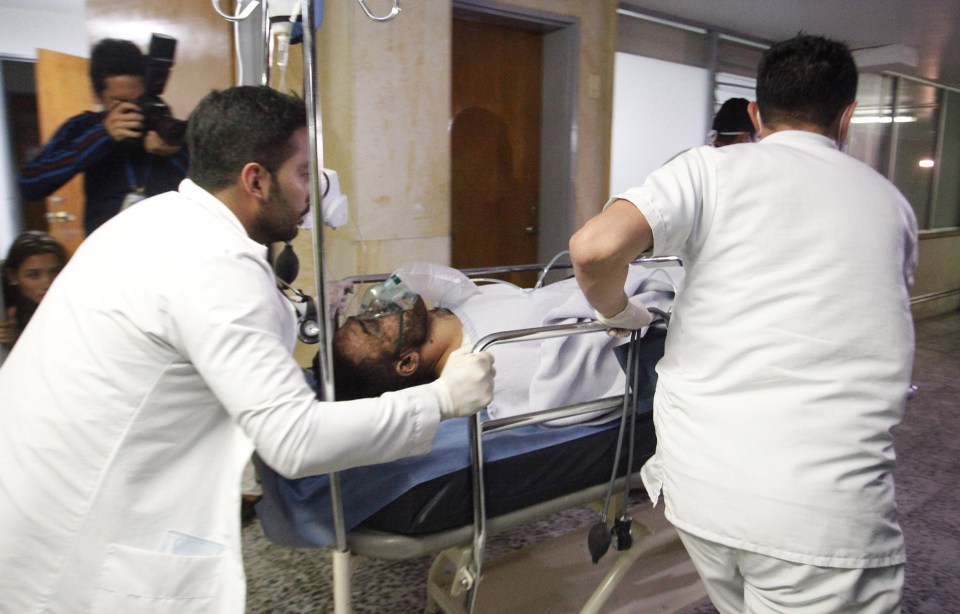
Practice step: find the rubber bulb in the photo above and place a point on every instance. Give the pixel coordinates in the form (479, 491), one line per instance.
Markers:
(287, 265)
(598, 541)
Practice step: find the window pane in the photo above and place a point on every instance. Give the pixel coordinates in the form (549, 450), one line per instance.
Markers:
(872, 123)
(733, 86)
(915, 126)
(946, 209)
(738, 58)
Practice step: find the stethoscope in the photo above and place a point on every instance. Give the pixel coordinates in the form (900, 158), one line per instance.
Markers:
(285, 270)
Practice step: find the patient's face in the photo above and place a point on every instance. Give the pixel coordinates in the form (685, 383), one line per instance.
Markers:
(384, 337)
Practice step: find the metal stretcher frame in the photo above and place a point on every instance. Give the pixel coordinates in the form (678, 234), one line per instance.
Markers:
(358, 541)
(463, 547)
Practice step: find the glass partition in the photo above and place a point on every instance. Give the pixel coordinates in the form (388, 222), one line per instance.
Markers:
(909, 130)
(915, 135)
(945, 211)
(872, 124)
(906, 128)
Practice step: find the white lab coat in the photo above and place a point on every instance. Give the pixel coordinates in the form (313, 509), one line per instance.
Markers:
(789, 351)
(157, 361)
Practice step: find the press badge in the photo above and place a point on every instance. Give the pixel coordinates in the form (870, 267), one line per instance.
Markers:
(132, 198)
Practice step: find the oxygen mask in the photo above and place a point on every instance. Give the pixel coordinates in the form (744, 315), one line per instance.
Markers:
(388, 297)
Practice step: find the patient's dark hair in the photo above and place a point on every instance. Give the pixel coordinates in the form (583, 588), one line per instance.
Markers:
(806, 79)
(369, 376)
(236, 126)
(113, 57)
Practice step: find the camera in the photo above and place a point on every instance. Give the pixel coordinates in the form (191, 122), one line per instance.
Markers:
(156, 113)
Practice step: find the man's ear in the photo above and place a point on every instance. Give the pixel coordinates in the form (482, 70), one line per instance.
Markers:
(753, 110)
(255, 180)
(408, 363)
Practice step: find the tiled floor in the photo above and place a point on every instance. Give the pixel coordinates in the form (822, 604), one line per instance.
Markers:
(539, 572)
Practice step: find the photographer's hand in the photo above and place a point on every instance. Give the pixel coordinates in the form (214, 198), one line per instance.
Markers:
(154, 144)
(124, 121)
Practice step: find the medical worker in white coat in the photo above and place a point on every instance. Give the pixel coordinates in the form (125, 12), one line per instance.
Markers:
(789, 352)
(158, 360)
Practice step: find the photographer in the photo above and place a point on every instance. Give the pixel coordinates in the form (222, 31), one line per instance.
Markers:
(124, 159)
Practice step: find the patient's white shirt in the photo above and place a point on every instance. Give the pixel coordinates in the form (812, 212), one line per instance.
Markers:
(789, 353)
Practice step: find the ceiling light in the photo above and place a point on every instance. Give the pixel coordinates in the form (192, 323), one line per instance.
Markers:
(882, 119)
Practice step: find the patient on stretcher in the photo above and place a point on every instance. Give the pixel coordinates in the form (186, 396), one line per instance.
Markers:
(432, 492)
(406, 349)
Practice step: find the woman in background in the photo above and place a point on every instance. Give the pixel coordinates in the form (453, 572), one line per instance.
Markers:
(34, 260)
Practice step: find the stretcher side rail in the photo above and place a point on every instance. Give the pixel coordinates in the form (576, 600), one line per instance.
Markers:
(389, 546)
(518, 268)
(470, 574)
(394, 547)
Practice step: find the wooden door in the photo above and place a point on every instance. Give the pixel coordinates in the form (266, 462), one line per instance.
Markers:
(495, 145)
(63, 90)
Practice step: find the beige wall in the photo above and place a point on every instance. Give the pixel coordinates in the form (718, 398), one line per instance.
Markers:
(937, 287)
(385, 94)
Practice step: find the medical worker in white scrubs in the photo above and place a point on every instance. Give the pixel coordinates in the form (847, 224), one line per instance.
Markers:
(789, 352)
(157, 362)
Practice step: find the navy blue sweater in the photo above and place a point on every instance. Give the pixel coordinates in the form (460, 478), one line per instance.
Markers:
(82, 145)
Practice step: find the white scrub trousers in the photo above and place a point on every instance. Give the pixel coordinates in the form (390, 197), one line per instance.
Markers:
(739, 581)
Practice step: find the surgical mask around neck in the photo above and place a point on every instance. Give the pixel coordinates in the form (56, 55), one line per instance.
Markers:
(843, 144)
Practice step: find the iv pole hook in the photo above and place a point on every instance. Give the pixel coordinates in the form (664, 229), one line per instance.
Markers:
(393, 12)
(243, 15)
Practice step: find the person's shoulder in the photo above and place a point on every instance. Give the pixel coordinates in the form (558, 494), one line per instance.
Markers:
(85, 118)
(79, 124)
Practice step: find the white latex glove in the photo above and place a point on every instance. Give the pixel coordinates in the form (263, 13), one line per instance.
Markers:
(633, 317)
(339, 295)
(466, 383)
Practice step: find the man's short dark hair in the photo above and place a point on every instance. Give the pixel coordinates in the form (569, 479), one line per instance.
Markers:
(239, 125)
(733, 117)
(113, 57)
(806, 79)
(368, 376)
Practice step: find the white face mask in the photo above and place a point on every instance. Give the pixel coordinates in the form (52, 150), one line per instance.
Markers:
(843, 144)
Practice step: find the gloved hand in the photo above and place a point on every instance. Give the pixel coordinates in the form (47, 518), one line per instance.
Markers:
(633, 317)
(466, 383)
(339, 295)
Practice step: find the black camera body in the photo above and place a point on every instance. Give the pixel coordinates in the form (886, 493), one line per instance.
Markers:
(156, 114)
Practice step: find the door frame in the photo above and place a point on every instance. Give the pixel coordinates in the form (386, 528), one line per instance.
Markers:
(559, 105)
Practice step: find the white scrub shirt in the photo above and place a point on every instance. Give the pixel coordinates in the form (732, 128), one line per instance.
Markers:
(789, 353)
(128, 408)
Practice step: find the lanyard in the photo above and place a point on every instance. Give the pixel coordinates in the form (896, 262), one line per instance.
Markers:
(135, 186)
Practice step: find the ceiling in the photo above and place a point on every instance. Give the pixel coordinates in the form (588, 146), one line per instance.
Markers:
(932, 27)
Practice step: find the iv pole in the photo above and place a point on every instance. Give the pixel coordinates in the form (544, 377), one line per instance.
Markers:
(341, 553)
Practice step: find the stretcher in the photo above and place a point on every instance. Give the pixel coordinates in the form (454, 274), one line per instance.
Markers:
(482, 477)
